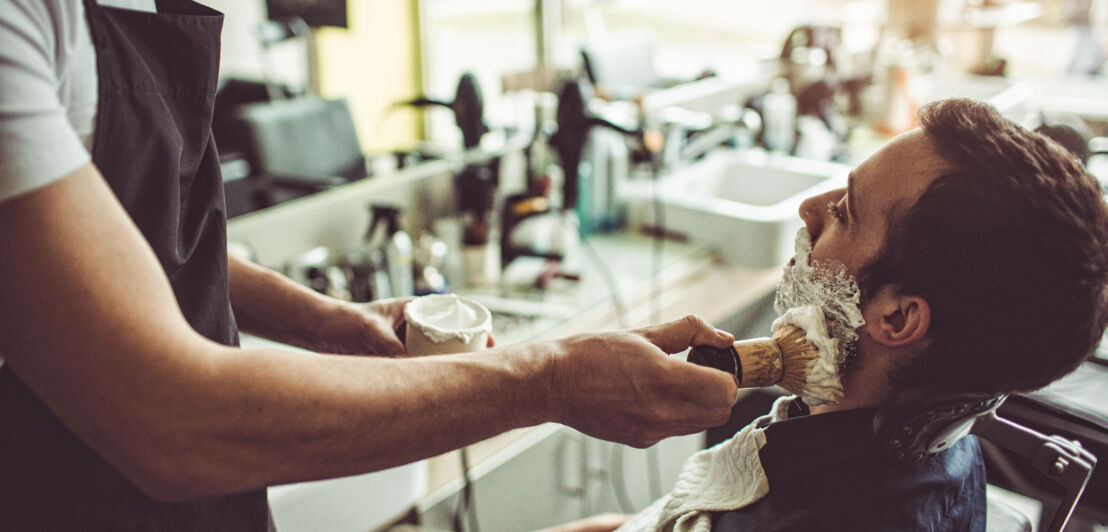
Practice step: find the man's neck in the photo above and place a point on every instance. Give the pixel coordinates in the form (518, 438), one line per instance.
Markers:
(848, 403)
(863, 387)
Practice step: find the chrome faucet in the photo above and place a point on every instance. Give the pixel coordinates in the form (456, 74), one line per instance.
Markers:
(689, 134)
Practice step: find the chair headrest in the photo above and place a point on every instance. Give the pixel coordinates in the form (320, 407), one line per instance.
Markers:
(307, 136)
(920, 422)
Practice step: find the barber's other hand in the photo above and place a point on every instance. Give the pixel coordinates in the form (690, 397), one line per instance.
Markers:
(622, 387)
(374, 328)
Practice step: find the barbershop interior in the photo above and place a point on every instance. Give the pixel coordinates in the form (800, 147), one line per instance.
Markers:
(560, 167)
(575, 165)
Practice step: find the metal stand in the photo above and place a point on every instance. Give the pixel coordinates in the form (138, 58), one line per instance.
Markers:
(1063, 461)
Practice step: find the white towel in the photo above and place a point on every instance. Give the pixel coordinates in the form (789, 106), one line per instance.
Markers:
(726, 477)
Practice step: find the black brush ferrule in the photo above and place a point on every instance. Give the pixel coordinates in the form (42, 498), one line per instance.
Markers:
(725, 360)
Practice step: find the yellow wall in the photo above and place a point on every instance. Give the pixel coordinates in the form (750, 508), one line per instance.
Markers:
(373, 63)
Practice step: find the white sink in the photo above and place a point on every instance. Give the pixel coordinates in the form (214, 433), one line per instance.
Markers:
(743, 203)
(355, 503)
(1009, 96)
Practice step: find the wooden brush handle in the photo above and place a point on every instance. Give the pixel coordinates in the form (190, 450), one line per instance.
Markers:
(763, 364)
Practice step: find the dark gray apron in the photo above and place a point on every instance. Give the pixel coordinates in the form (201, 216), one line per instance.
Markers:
(153, 144)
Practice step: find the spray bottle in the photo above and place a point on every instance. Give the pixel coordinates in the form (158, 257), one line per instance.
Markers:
(385, 235)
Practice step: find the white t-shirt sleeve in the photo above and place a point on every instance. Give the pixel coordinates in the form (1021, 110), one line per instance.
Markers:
(38, 143)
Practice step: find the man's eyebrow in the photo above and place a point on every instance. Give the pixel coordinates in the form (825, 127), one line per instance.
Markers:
(850, 209)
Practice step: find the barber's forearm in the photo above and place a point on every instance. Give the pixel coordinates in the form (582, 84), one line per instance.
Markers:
(268, 417)
(272, 306)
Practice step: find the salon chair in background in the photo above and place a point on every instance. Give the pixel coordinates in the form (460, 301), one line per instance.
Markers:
(299, 146)
(1087, 141)
(622, 65)
(227, 130)
(233, 93)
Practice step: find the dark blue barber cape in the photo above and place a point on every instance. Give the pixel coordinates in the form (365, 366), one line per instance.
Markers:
(826, 472)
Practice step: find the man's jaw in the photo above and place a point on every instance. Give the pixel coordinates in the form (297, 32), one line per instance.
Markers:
(826, 284)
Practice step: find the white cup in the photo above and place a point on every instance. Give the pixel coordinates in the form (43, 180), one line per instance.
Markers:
(440, 324)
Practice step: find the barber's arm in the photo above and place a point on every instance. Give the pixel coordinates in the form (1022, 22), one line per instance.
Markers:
(89, 322)
(270, 305)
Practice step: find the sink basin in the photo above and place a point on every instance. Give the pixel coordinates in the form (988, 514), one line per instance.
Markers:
(355, 503)
(742, 203)
(1009, 96)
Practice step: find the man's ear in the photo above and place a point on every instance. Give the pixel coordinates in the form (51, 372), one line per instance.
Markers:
(894, 319)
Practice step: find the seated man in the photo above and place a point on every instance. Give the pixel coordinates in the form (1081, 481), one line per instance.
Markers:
(980, 251)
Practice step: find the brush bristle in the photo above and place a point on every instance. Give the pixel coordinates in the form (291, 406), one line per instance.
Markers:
(799, 356)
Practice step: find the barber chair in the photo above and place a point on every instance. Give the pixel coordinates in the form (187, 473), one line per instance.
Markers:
(1019, 455)
(300, 146)
(921, 422)
(622, 65)
(1073, 408)
(232, 94)
(238, 189)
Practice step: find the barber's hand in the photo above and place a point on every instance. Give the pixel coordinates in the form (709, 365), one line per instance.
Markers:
(622, 386)
(374, 328)
(385, 326)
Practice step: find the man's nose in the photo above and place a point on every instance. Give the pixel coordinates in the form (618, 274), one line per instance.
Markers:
(813, 211)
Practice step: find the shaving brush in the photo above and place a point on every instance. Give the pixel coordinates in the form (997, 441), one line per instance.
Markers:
(785, 359)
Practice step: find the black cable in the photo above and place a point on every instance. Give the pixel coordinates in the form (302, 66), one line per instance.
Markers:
(459, 507)
(606, 273)
(653, 464)
(466, 508)
(659, 248)
(653, 467)
(619, 484)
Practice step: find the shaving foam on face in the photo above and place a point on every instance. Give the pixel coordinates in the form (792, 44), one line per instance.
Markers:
(830, 289)
(442, 318)
(823, 383)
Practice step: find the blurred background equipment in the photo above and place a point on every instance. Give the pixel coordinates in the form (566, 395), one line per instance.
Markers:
(299, 146)
(468, 107)
(622, 65)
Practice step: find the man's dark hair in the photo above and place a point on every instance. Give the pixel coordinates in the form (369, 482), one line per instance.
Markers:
(1009, 246)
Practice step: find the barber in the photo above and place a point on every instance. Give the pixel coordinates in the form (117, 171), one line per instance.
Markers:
(124, 401)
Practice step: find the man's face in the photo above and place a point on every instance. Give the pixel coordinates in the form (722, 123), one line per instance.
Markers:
(847, 228)
(849, 225)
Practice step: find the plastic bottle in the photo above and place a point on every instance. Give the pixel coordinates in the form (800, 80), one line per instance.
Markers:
(779, 115)
(398, 256)
(392, 276)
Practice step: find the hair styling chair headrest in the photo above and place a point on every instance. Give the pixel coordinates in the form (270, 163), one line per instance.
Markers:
(920, 422)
